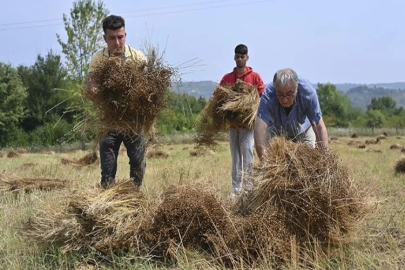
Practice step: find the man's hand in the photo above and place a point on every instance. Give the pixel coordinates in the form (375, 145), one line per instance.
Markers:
(321, 134)
(91, 89)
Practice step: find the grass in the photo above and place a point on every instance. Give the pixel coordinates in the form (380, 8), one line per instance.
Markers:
(380, 245)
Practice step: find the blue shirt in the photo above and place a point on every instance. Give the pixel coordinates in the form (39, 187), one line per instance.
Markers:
(304, 111)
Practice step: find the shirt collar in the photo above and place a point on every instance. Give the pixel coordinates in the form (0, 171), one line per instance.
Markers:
(126, 52)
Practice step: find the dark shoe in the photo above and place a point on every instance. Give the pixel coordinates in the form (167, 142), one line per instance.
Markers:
(107, 183)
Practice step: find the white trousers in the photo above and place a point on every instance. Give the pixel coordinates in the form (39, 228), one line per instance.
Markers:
(241, 144)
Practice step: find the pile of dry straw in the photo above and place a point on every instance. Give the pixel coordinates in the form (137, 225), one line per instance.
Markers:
(303, 204)
(130, 94)
(88, 159)
(230, 105)
(16, 183)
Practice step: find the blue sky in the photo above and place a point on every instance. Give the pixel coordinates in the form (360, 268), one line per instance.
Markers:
(358, 41)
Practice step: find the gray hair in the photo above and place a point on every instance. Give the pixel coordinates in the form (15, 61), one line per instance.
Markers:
(285, 77)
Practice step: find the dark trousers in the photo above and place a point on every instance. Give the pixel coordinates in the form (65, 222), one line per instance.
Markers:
(109, 149)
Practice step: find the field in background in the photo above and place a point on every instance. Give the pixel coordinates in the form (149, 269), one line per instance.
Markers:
(381, 244)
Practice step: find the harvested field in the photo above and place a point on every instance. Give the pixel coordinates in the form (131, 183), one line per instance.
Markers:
(319, 211)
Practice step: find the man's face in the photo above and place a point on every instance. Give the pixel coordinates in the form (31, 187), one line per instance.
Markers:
(286, 95)
(241, 60)
(115, 40)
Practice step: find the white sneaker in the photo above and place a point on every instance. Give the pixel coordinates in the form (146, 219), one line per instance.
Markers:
(234, 194)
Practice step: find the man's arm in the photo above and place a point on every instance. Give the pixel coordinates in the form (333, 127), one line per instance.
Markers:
(260, 137)
(321, 133)
(91, 89)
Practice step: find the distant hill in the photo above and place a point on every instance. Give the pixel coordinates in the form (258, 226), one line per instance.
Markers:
(344, 87)
(196, 89)
(359, 94)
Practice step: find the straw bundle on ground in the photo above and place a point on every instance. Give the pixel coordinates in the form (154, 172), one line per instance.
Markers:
(44, 152)
(88, 159)
(400, 166)
(314, 193)
(354, 143)
(21, 150)
(373, 150)
(27, 165)
(235, 105)
(396, 146)
(17, 183)
(371, 141)
(157, 154)
(130, 94)
(200, 152)
(186, 218)
(13, 154)
(91, 220)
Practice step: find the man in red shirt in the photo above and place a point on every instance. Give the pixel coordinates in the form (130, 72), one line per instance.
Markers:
(241, 139)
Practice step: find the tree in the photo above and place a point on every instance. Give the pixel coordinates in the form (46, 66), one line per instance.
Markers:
(397, 121)
(12, 98)
(84, 33)
(335, 107)
(374, 119)
(42, 81)
(385, 104)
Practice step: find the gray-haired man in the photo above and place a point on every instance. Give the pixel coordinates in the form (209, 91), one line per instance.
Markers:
(289, 106)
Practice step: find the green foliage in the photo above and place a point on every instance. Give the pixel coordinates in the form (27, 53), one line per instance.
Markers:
(180, 114)
(397, 121)
(42, 81)
(386, 105)
(16, 137)
(12, 98)
(51, 133)
(336, 108)
(84, 32)
(374, 118)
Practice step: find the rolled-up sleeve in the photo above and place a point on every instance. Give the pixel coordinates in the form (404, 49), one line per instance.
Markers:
(314, 113)
(263, 111)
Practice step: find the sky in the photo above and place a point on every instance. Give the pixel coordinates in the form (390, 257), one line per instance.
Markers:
(341, 41)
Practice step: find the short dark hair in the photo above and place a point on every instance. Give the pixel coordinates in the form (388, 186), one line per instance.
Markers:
(241, 49)
(113, 22)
